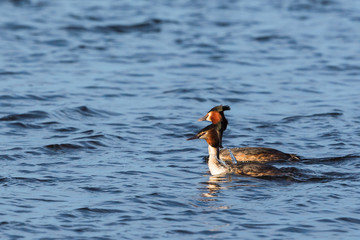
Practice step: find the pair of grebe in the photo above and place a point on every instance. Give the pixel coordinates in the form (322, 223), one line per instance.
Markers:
(242, 161)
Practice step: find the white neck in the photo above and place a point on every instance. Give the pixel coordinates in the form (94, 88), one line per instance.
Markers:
(214, 166)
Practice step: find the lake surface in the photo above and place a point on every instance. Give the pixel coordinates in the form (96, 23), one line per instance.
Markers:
(97, 99)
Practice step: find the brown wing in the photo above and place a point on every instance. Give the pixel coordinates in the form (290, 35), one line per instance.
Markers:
(256, 154)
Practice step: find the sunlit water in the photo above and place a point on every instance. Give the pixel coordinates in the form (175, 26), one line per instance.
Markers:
(97, 99)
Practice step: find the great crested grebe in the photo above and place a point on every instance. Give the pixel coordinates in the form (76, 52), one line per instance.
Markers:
(211, 134)
(252, 154)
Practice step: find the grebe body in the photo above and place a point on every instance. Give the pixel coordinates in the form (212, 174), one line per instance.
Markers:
(255, 154)
(212, 136)
(248, 154)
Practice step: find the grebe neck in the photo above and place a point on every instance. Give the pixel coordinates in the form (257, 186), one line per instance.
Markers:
(214, 165)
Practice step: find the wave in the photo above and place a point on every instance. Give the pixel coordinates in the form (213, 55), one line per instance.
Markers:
(147, 26)
(299, 117)
(78, 113)
(25, 116)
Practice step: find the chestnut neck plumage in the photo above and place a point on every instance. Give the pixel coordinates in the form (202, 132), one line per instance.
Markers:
(219, 119)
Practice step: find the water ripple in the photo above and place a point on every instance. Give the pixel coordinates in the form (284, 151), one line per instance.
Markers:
(87, 210)
(25, 116)
(97, 98)
(317, 115)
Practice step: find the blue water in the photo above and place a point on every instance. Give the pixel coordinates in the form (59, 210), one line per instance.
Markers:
(97, 99)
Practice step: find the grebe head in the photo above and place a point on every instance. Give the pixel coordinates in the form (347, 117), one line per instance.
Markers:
(216, 114)
(211, 134)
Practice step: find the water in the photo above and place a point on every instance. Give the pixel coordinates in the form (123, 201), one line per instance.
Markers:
(97, 99)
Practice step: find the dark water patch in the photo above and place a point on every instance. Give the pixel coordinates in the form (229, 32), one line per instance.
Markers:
(343, 67)
(338, 145)
(25, 116)
(179, 231)
(349, 220)
(120, 95)
(49, 227)
(150, 118)
(78, 145)
(66, 129)
(16, 27)
(44, 200)
(172, 203)
(112, 202)
(138, 75)
(77, 113)
(211, 47)
(294, 230)
(197, 99)
(6, 157)
(19, 3)
(338, 159)
(27, 171)
(313, 5)
(316, 116)
(266, 125)
(81, 228)
(56, 43)
(148, 26)
(103, 87)
(3, 179)
(33, 180)
(50, 123)
(63, 146)
(131, 173)
(257, 225)
(331, 135)
(75, 28)
(273, 37)
(88, 132)
(97, 136)
(85, 111)
(24, 125)
(117, 137)
(180, 90)
(153, 152)
(99, 210)
(56, 137)
(210, 232)
(93, 189)
(98, 48)
(92, 144)
(198, 65)
(223, 23)
(126, 218)
(325, 220)
(87, 17)
(344, 176)
(234, 100)
(307, 90)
